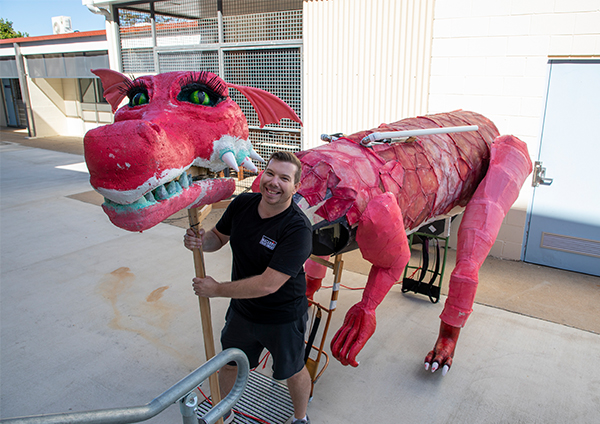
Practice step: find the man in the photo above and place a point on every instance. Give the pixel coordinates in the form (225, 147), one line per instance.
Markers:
(270, 239)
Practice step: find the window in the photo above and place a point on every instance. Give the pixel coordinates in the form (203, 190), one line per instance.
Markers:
(91, 90)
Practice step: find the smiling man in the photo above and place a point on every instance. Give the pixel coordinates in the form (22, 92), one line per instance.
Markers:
(270, 240)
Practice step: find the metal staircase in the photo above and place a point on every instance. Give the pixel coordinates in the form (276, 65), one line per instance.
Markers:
(181, 393)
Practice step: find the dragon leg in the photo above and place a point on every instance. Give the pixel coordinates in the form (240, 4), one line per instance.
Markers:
(509, 166)
(389, 253)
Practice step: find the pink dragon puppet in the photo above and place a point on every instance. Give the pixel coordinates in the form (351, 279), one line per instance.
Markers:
(172, 121)
(358, 193)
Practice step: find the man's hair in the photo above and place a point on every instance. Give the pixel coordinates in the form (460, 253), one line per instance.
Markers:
(291, 158)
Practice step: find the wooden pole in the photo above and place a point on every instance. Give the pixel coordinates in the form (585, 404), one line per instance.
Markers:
(195, 217)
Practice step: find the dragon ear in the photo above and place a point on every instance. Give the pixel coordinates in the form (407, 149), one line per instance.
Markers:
(115, 85)
(269, 108)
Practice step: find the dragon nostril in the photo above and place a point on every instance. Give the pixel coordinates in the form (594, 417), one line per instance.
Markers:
(154, 127)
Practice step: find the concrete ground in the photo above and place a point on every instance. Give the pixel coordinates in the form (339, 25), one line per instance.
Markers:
(96, 317)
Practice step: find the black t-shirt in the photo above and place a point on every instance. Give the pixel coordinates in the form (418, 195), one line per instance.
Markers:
(282, 242)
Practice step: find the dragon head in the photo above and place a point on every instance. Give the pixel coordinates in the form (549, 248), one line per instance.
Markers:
(173, 121)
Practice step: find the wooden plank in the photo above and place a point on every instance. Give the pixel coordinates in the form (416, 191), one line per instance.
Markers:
(195, 217)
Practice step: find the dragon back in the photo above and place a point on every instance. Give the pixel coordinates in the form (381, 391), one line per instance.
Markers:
(429, 175)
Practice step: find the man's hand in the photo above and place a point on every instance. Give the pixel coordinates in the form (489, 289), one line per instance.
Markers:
(205, 287)
(208, 241)
(191, 240)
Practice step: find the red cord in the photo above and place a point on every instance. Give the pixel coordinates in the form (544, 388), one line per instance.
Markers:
(362, 288)
(411, 275)
(346, 287)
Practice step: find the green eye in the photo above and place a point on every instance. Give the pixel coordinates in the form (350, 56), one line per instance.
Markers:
(140, 98)
(198, 94)
(199, 98)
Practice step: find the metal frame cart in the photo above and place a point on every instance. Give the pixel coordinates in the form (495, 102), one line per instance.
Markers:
(438, 232)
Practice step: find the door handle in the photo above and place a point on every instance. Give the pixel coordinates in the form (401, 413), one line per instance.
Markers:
(539, 175)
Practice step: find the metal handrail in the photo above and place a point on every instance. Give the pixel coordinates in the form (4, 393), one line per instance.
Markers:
(180, 392)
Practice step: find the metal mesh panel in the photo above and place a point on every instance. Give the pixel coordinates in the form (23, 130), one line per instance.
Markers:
(190, 9)
(186, 28)
(265, 143)
(285, 25)
(135, 31)
(237, 7)
(189, 61)
(277, 71)
(137, 61)
(183, 32)
(186, 22)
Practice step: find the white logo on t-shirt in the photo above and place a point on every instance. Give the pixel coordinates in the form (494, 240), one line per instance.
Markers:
(268, 243)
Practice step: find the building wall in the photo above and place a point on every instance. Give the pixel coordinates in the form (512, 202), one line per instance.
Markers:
(3, 120)
(365, 63)
(48, 106)
(492, 56)
(53, 94)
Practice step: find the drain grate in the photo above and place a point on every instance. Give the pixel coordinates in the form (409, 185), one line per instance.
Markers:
(263, 398)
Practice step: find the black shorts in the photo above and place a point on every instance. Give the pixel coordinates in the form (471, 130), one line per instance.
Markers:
(285, 342)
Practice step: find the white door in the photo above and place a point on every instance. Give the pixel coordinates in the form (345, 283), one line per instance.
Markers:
(564, 219)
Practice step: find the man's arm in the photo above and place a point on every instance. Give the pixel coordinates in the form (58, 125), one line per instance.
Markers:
(257, 286)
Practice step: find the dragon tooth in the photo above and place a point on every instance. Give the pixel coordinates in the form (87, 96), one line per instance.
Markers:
(161, 193)
(150, 197)
(173, 187)
(229, 159)
(139, 202)
(247, 163)
(256, 156)
(183, 180)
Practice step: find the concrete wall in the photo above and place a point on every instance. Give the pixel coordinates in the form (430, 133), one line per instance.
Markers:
(491, 56)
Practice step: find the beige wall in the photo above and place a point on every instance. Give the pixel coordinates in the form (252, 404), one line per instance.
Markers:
(365, 63)
(47, 106)
(57, 110)
(492, 57)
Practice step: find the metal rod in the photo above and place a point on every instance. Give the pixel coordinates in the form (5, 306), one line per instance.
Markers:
(366, 141)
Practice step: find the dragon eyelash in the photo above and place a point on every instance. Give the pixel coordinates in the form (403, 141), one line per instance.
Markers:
(212, 82)
(129, 86)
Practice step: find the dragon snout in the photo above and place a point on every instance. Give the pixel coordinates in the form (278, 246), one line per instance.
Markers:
(127, 154)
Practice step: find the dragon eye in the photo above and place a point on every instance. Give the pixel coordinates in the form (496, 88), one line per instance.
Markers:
(199, 98)
(199, 95)
(140, 98)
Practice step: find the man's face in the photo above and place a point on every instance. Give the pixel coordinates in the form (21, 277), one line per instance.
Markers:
(277, 184)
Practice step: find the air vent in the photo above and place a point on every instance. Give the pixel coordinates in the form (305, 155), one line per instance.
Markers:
(568, 244)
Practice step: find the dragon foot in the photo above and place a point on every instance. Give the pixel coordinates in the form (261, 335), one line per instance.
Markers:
(443, 351)
(359, 325)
